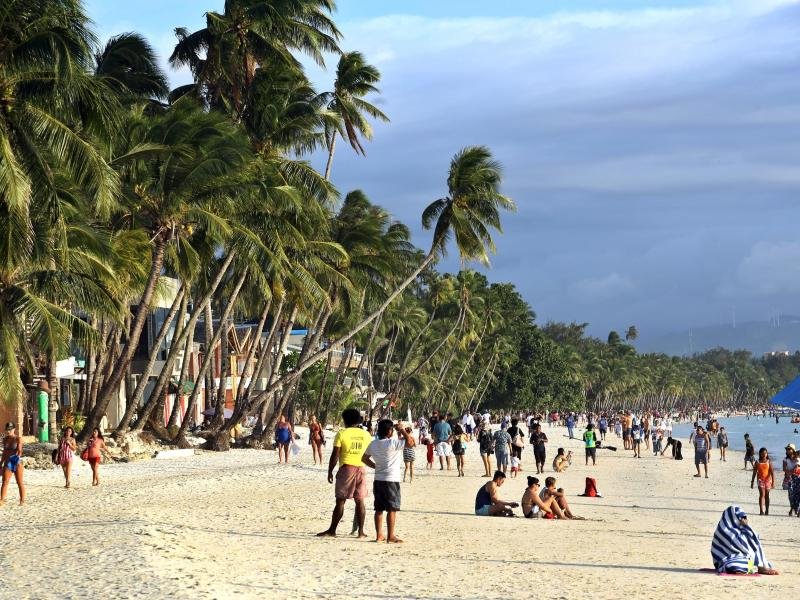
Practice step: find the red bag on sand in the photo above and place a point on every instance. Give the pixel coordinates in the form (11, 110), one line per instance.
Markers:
(85, 454)
(591, 489)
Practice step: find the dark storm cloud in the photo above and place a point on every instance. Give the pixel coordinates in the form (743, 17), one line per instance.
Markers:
(653, 154)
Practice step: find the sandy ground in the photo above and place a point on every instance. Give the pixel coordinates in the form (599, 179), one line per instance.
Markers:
(240, 525)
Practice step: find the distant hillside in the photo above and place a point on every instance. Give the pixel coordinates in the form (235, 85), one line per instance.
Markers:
(757, 336)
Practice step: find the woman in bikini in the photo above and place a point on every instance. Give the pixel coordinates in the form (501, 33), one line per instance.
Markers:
(315, 438)
(766, 480)
(66, 452)
(93, 448)
(11, 463)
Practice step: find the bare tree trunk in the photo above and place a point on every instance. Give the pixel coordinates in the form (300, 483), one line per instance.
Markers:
(138, 393)
(208, 358)
(185, 364)
(323, 354)
(175, 348)
(111, 385)
(331, 150)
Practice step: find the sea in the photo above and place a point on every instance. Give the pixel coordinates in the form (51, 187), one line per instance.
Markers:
(764, 432)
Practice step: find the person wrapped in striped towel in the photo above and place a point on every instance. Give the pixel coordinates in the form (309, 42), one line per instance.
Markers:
(736, 548)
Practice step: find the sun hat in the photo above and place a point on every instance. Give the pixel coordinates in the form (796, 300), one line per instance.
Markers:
(790, 446)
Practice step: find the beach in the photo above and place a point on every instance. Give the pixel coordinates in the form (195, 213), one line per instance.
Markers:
(237, 524)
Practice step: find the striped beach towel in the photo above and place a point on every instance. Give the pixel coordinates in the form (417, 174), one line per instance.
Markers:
(736, 547)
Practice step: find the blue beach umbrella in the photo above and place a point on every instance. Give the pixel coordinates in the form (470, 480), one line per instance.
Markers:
(788, 396)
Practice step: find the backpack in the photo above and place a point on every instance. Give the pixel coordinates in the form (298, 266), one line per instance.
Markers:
(518, 441)
(591, 488)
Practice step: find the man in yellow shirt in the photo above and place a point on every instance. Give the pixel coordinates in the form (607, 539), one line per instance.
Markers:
(349, 446)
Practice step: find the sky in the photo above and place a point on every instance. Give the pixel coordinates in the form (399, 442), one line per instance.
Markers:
(651, 146)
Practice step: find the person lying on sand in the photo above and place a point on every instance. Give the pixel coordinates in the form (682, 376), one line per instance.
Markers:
(550, 492)
(533, 506)
(487, 502)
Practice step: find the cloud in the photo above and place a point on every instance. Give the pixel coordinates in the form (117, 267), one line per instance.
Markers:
(770, 269)
(648, 151)
(600, 289)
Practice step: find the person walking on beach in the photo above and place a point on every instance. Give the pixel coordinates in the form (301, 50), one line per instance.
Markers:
(487, 501)
(442, 436)
(66, 453)
(636, 440)
(459, 447)
(502, 449)
(590, 445)
(386, 454)
(570, 423)
(766, 480)
(603, 426)
(702, 449)
(409, 456)
(283, 438)
(11, 463)
(349, 446)
(790, 464)
(539, 441)
(93, 454)
(749, 452)
(316, 438)
(486, 449)
(722, 444)
(517, 439)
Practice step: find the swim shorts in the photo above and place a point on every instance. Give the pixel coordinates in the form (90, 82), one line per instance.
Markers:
(483, 511)
(387, 496)
(350, 483)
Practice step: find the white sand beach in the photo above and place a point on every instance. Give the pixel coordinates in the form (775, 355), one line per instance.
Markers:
(238, 525)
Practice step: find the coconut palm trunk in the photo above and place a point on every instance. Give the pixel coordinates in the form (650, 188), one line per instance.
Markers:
(111, 385)
(208, 359)
(175, 349)
(138, 392)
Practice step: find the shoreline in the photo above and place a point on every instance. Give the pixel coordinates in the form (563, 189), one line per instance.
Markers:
(237, 523)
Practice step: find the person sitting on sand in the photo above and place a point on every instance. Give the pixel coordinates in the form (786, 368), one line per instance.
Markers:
(533, 506)
(11, 463)
(349, 446)
(386, 453)
(736, 548)
(562, 461)
(550, 491)
(487, 502)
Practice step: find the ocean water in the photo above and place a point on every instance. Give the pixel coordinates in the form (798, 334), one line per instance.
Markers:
(764, 432)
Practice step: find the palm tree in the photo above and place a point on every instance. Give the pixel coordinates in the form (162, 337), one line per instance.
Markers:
(177, 170)
(468, 213)
(128, 65)
(632, 334)
(50, 173)
(354, 80)
(225, 54)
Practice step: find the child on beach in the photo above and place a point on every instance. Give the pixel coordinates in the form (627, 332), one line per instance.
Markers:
(636, 440)
(514, 466)
(387, 455)
(428, 452)
(618, 428)
(766, 480)
(409, 456)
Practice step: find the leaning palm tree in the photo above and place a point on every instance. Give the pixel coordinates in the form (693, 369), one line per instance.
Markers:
(468, 214)
(354, 80)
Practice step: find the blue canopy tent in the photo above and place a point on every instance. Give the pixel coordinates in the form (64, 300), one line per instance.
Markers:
(788, 396)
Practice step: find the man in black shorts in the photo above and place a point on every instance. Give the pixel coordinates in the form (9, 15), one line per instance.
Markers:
(539, 439)
(387, 454)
